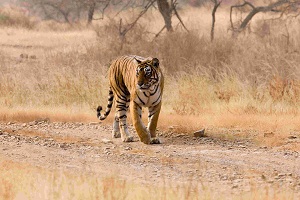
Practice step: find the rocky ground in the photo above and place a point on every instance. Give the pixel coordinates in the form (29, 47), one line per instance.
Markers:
(222, 164)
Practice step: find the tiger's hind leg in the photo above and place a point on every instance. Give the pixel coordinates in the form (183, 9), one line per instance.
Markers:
(152, 123)
(116, 128)
(121, 120)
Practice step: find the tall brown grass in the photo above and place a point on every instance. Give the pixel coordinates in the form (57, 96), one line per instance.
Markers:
(255, 73)
(13, 16)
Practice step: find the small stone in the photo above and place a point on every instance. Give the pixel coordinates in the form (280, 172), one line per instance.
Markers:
(268, 134)
(32, 123)
(180, 135)
(199, 133)
(235, 186)
(63, 145)
(107, 141)
(127, 148)
(32, 57)
(94, 123)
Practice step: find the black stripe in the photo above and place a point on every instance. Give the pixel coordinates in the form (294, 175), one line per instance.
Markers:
(151, 114)
(151, 94)
(145, 94)
(140, 99)
(110, 98)
(119, 102)
(139, 106)
(123, 116)
(123, 89)
(122, 109)
(109, 105)
(157, 99)
(121, 97)
(119, 84)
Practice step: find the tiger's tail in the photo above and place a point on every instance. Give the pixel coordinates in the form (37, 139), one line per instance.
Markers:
(108, 108)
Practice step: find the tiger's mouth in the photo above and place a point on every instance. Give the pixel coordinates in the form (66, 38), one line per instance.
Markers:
(147, 85)
(144, 86)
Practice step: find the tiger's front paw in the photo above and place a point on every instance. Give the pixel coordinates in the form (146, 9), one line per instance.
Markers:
(116, 134)
(146, 139)
(128, 139)
(155, 140)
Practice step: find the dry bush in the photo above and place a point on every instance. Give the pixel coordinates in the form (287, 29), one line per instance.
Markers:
(179, 51)
(55, 26)
(228, 74)
(284, 89)
(15, 17)
(111, 44)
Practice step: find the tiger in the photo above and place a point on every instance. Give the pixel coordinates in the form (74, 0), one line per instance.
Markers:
(134, 82)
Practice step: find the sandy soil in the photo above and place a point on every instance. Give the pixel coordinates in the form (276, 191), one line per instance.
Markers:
(232, 165)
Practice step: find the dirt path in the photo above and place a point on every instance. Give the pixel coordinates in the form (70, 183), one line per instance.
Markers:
(225, 165)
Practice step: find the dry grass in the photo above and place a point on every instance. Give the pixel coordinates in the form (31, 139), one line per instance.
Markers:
(246, 83)
(249, 82)
(24, 181)
(12, 16)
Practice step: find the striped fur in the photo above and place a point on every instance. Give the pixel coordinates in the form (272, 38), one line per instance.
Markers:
(136, 82)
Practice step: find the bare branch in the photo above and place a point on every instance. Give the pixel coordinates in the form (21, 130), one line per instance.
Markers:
(62, 12)
(216, 5)
(275, 7)
(123, 8)
(157, 34)
(130, 26)
(174, 3)
(103, 10)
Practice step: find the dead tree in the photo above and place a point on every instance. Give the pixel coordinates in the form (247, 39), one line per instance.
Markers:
(91, 10)
(166, 11)
(278, 6)
(93, 6)
(216, 5)
(56, 11)
(124, 30)
(68, 11)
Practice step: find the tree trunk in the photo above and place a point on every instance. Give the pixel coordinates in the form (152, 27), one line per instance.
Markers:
(212, 32)
(166, 11)
(91, 12)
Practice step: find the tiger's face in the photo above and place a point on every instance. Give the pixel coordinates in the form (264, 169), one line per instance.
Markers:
(147, 74)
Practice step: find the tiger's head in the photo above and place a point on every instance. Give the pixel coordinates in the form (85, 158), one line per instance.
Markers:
(147, 73)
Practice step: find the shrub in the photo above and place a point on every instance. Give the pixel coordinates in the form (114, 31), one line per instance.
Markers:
(15, 17)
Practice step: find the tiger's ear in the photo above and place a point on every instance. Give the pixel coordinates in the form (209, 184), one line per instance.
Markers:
(138, 61)
(155, 62)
